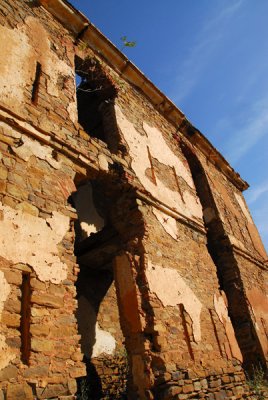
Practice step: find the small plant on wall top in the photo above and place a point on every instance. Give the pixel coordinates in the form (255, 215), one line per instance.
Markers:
(127, 43)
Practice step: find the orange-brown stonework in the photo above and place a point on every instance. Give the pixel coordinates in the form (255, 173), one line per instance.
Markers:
(130, 267)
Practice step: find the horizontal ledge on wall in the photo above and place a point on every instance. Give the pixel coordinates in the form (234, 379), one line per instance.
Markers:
(172, 213)
(243, 253)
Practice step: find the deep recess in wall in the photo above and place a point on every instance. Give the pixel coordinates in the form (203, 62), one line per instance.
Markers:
(25, 318)
(95, 102)
(95, 253)
(228, 272)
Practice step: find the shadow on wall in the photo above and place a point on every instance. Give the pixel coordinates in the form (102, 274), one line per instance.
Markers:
(220, 249)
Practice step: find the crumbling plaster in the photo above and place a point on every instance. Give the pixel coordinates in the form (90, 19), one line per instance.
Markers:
(29, 147)
(169, 223)
(13, 74)
(24, 46)
(32, 240)
(259, 305)
(138, 150)
(243, 207)
(172, 290)
(231, 347)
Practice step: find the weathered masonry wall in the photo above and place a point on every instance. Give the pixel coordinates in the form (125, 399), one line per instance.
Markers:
(130, 266)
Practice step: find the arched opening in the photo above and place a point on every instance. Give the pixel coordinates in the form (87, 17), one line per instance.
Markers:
(228, 273)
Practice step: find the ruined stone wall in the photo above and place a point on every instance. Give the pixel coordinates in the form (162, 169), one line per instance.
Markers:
(37, 240)
(186, 328)
(234, 214)
(40, 73)
(107, 267)
(42, 153)
(241, 259)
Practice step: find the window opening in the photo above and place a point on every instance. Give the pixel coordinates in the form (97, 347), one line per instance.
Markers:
(25, 318)
(95, 94)
(36, 83)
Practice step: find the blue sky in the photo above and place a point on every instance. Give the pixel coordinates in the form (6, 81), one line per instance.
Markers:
(210, 57)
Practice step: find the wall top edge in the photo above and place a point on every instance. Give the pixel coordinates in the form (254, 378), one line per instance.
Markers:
(77, 23)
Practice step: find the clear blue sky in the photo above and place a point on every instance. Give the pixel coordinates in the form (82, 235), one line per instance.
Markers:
(210, 57)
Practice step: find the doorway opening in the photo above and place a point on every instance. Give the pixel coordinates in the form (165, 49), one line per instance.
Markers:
(102, 340)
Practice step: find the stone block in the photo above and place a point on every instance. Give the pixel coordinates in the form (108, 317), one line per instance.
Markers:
(14, 341)
(39, 312)
(28, 208)
(2, 186)
(48, 300)
(211, 396)
(13, 306)
(172, 391)
(239, 390)
(16, 191)
(164, 377)
(197, 386)
(42, 345)
(3, 172)
(220, 395)
(78, 372)
(20, 391)
(51, 391)
(38, 285)
(214, 384)
(38, 371)
(177, 375)
(77, 356)
(188, 388)
(39, 329)
(225, 379)
(63, 331)
(12, 320)
(10, 372)
(13, 277)
(9, 201)
(17, 179)
(72, 386)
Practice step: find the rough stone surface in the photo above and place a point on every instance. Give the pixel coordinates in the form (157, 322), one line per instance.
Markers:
(117, 231)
